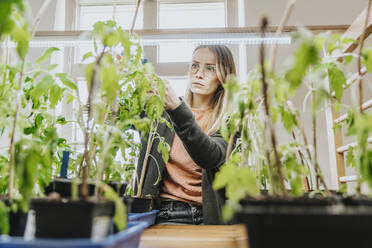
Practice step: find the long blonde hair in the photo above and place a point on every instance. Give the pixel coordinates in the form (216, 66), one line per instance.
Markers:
(225, 66)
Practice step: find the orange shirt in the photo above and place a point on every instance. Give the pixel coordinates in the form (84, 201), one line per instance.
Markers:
(183, 177)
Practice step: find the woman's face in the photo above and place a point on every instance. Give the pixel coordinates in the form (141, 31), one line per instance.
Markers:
(203, 76)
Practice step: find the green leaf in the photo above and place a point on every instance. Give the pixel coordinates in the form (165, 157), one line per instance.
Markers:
(228, 210)
(305, 56)
(4, 216)
(89, 73)
(28, 130)
(21, 36)
(61, 120)
(70, 98)
(52, 67)
(87, 55)
(46, 55)
(66, 81)
(38, 120)
(154, 107)
(288, 119)
(331, 47)
(350, 157)
(110, 79)
(348, 59)
(42, 87)
(56, 94)
(163, 149)
(337, 80)
(367, 58)
(120, 216)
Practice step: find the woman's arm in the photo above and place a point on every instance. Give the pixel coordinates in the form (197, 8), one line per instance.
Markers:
(206, 151)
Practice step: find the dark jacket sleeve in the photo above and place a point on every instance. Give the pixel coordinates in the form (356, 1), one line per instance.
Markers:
(206, 151)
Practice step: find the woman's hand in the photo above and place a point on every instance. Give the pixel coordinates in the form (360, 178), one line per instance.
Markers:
(171, 100)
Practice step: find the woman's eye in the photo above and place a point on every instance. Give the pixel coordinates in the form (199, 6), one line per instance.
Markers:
(211, 68)
(194, 66)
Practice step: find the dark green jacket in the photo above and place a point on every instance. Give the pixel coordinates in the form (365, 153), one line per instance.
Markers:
(208, 152)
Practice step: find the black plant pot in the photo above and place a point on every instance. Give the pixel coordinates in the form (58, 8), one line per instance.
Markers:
(72, 219)
(63, 187)
(17, 220)
(306, 223)
(17, 223)
(119, 187)
(138, 204)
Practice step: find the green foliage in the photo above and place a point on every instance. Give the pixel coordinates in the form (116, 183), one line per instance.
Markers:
(246, 117)
(350, 158)
(154, 107)
(367, 58)
(293, 170)
(120, 217)
(7, 7)
(337, 80)
(66, 81)
(46, 55)
(360, 157)
(305, 56)
(4, 217)
(239, 181)
(120, 101)
(36, 144)
(288, 119)
(163, 149)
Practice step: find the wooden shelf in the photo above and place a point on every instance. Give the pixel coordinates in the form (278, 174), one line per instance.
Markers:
(216, 236)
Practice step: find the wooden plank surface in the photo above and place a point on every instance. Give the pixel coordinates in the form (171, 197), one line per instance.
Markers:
(211, 236)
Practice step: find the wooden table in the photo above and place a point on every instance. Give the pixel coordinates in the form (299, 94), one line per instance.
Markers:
(227, 236)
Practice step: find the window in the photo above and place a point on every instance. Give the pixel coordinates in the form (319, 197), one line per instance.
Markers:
(187, 15)
(192, 15)
(88, 15)
(179, 84)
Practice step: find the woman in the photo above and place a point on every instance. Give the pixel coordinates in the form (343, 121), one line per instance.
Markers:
(197, 148)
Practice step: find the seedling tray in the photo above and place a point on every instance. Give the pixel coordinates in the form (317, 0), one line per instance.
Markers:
(128, 238)
(148, 217)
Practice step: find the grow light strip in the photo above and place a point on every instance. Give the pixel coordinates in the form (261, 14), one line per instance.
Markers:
(154, 42)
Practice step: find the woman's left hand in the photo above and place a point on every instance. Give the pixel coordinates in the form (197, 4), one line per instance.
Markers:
(171, 100)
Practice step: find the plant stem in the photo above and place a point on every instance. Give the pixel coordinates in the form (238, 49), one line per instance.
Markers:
(87, 157)
(12, 137)
(230, 146)
(318, 173)
(107, 144)
(135, 16)
(144, 165)
(274, 47)
(18, 103)
(306, 181)
(231, 143)
(360, 74)
(315, 151)
(278, 164)
(36, 23)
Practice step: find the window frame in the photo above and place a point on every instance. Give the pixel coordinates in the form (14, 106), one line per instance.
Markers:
(98, 3)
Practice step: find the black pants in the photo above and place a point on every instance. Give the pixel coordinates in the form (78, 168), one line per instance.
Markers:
(171, 211)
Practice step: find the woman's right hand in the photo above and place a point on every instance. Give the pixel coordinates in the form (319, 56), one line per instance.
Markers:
(171, 100)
